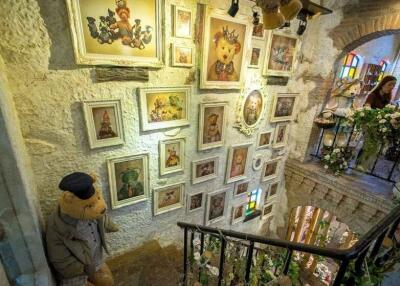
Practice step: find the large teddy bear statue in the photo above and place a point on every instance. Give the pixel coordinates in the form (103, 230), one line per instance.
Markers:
(75, 233)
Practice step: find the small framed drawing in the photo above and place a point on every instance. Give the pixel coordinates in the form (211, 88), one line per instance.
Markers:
(183, 20)
(172, 156)
(212, 125)
(129, 179)
(162, 108)
(273, 190)
(238, 158)
(257, 162)
(205, 170)
(238, 213)
(259, 32)
(182, 56)
(225, 45)
(281, 135)
(117, 33)
(217, 203)
(104, 123)
(195, 202)
(283, 107)
(281, 54)
(257, 55)
(266, 196)
(168, 198)
(267, 211)
(250, 111)
(271, 169)
(264, 139)
(241, 188)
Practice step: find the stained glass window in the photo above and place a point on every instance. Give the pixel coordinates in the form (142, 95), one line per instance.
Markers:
(252, 201)
(350, 65)
(384, 66)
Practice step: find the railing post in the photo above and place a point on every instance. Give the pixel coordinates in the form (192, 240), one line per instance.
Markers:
(221, 261)
(341, 273)
(287, 261)
(249, 261)
(393, 228)
(201, 243)
(185, 236)
(359, 262)
(377, 246)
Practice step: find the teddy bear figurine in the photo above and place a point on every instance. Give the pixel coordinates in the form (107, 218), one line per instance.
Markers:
(75, 233)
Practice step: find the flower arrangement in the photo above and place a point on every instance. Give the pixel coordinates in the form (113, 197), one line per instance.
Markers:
(336, 159)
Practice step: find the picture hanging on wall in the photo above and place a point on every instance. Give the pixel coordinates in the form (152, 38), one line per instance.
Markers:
(257, 55)
(162, 108)
(119, 33)
(281, 54)
(104, 123)
(241, 188)
(281, 135)
(172, 156)
(267, 211)
(212, 125)
(205, 170)
(168, 198)
(273, 190)
(259, 31)
(225, 45)
(195, 202)
(217, 203)
(182, 55)
(183, 19)
(264, 139)
(238, 213)
(249, 112)
(283, 107)
(237, 165)
(129, 179)
(271, 169)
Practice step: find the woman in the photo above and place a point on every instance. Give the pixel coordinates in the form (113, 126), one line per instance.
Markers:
(381, 95)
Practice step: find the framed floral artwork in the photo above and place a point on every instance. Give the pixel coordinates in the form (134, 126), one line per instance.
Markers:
(212, 125)
(183, 20)
(281, 54)
(225, 45)
(264, 139)
(238, 213)
(250, 111)
(237, 165)
(267, 211)
(271, 169)
(217, 203)
(182, 55)
(205, 170)
(118, 33)
(162, 108)
(172, 156)
(168, 198)
(241, 188)
(283, 107)
(129, 179)
(104, 123)
(195, 202)
(259, 31)
(257, 55)
(281, 135)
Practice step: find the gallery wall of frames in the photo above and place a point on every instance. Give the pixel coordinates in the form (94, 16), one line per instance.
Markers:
(199, 141)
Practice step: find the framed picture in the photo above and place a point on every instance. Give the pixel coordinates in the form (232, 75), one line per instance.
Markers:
(257, 55)
(183, 20)
(238, 158)
(172, 156)
(162, 108)
(266, 196)
(238, 213)
(267, 211)
(257, 162)
(168, 198)
(205, 170)
(225, 45)
(212, 125)
(259, 31)
(264, 139)
(250, 110)
(241, 188)
(182, 56)
(281, 54)
(104, 123)
(195, 202)
(129, 179)
(273, 190)
(281, 135)
(283, 107)
(118, 33)
(271, 169)
(217, 203)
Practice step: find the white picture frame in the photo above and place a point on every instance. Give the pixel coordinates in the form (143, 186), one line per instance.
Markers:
(257, 30)
(179, 61)
(104, 133)
(267, 211)
(193, 204)
(257, 48)
(281, 135)
(216, 212)
(236, 168)
(273, 190)
(271, 169)
(201, 169)
(280, 109)
(212, 128)
(241, 188)
(238, 213)
(174, 162)
(162, 197)
(182, 33)
(264, 139)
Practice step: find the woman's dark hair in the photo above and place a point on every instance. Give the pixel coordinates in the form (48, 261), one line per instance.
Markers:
(385, 80)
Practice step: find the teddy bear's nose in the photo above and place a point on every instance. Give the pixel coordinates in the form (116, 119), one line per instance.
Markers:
(225, 56)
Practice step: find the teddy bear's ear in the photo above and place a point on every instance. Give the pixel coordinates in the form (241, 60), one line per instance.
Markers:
(238, 47)
(94, 177)
(68, 197)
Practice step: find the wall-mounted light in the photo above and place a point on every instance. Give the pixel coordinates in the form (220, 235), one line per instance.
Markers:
(234, 8)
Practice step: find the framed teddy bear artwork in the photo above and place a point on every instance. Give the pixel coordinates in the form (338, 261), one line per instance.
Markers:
(117, 32)
(168, 198)
(238, 161)
(212, 125)
(283, 107)
(205, 170)
(182, 55)
(172, 156)
(225, 46)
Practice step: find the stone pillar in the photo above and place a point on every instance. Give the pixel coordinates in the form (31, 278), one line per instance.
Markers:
(300, 224)
(313, 237)
(291, 224)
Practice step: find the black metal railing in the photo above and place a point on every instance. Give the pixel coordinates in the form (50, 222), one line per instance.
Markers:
(366, 249)
(389, 158)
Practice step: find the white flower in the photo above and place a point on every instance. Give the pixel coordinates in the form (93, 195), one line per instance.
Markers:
(384, 129)
(362, 114)
(379, 116)
(327, 157)
(345, 163)
(395, 115)
(388, 115)
(382, 121)
(196, 242)
(368, 107)
(196, 256)
(391, 106)
(214, 270)
(326, 166)
(336, 150)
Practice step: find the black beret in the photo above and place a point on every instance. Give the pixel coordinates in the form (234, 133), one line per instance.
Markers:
(80, 184)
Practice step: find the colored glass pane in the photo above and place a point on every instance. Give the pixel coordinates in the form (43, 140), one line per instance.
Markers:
(352, 72)
(355, 62)
(349, 59)
(346, 72)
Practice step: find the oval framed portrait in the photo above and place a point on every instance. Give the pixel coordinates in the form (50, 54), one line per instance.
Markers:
(250, 111)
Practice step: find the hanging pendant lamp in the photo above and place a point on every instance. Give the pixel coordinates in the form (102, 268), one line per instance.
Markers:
(272, 18)
(290, 8)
